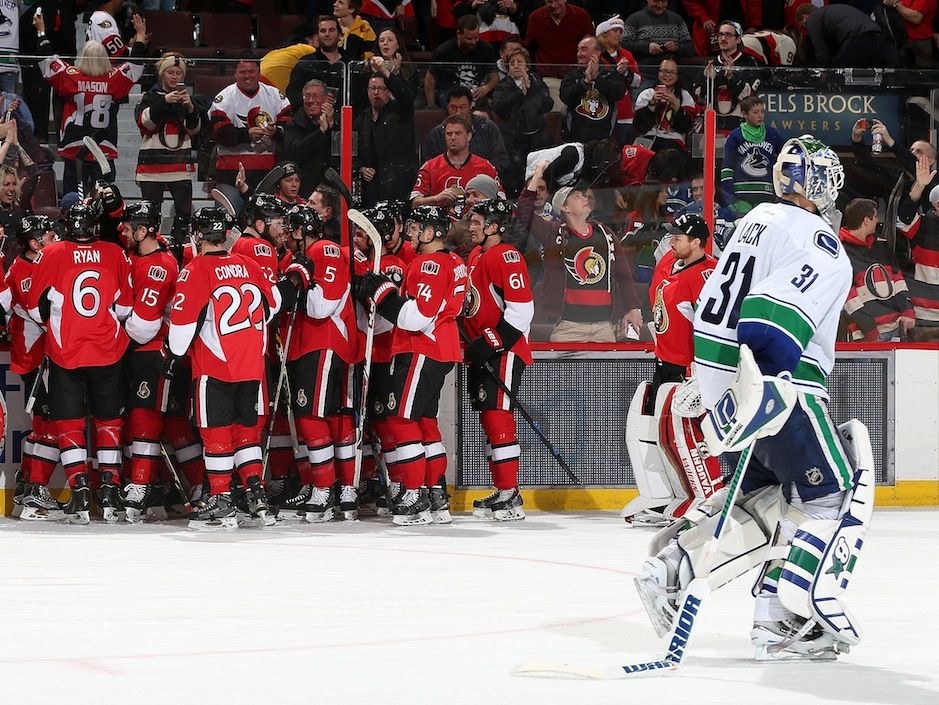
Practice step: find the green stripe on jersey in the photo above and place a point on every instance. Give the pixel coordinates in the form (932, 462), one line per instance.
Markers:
(726, 354)
(761, 309)
(807, 371)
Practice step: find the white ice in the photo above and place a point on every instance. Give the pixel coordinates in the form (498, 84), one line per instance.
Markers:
(367, 613)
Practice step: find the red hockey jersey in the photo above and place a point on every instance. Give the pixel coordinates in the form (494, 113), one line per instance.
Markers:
(673, 295)
(153, 278)
(27, 339)
(499, 287)
(393, 268)
(231, 106)
(435, 285)
(222, 305)
(439, 173)
(89, 293)
(91, 104)
(102, 27)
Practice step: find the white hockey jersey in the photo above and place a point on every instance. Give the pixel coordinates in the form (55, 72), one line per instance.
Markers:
(9, 36)
(102, 27)
(779, 286)
(266, 107)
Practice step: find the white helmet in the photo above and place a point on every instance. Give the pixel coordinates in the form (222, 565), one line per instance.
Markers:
(809, 168)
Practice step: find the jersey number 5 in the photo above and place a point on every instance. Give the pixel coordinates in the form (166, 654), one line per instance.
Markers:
(714, 310)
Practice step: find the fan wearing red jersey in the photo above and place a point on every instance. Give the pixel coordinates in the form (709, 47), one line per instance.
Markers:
(672, 474)
(81, 292)
(153, 274)
(221, 308)
(425, 346)
(323, 351)
(31, 499)
(497, 318)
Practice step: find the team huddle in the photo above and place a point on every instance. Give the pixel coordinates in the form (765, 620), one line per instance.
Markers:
(220, 380)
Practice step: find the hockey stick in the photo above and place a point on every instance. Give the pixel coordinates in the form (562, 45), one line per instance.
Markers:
(333, 179)
(98, 155)
(535, 426)
(678, 639)
(281, 380)
(176, 478)
(34, 390)
(361, 221)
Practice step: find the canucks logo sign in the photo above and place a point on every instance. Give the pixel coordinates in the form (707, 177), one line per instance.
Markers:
(587, 266)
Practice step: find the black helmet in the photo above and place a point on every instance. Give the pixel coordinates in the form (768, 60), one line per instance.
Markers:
(432, 216)
(383, 220)
(398, 209)
(495, 210)
(81, 221)
(690, 224)
(211, 224)
(143, 213)
(261, 206)
(305, 218)
(32, 227)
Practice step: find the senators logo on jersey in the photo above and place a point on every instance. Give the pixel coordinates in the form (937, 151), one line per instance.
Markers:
(157, 273)
(593, 105)
(471, 303)
(586, 266)
(659, 311)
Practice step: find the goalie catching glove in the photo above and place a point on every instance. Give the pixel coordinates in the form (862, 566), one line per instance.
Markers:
(380, 290)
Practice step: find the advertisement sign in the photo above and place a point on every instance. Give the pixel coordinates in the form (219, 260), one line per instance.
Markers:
(829, 116)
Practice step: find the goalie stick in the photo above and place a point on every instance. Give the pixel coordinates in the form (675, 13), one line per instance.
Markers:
(687, 613)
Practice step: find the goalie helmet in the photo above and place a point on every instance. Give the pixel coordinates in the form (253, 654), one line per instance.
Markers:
(305, 219)
(383, 220)
(143, 213)
(495, 210)
(808, 168)
(81, 221)
(432, 217)
(262, 206)
(32, 227)
(211, 224)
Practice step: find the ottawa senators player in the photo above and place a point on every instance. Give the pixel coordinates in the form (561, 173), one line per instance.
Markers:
(153, 276)
(426, 345)
(222, 305)
(319, 366)
(671, 473)
(81, 292)
(497, 320)
(31, 498)
(400, 243)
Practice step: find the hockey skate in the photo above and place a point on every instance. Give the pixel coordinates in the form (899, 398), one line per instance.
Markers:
(78, 509)
(647, 517)
(292, 508)
(440, 504)
(19, 494)
(109, 499)
(412, 508)
(40, 505)
(655, 584)
(156, 503)
(369, 494)
(794, 640)
(276, 489)
(136, 499)
(174, 504)
(501, 505)
(320, 506)
(349, 503)
(259, 513)
(385, 503)
(216, 513)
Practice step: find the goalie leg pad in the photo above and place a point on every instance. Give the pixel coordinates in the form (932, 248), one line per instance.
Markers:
(652, 479)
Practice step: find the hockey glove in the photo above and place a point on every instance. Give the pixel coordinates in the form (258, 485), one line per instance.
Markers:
(111, 200)
(300, 271)
(171, 363)
(372, 287)
(484, 347)
(288, 294)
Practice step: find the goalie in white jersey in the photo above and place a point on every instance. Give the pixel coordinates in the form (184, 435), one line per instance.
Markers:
(764, 329)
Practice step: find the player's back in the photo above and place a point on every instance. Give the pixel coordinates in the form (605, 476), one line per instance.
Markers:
(88, 290)
(27, 344)
(153, 277)
(785, 272)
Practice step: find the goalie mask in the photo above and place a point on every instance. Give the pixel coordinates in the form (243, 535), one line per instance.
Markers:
(211, 224)
(808, 168)
(432, 217)
(145, 213)
(33, 227)
(81, 221)
(495, 210)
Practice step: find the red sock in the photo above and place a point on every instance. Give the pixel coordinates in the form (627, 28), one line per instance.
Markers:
(144, 428)
(342, 430)
(70, 435)
(108, 435)
(503, 463)
(219, 457)
(409, 462)
(315, 432)
(435, 455)
(247, 452)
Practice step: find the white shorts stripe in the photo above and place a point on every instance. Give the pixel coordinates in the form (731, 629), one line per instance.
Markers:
(504, 402)
(202, 416)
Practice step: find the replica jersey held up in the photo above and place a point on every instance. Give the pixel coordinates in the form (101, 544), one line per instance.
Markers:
(779, 287)
(87, 286)
(221, 308)
(499, 287)
(267, 107)
(673, 294)
(102, 27)
(435, 285)
(153, 278)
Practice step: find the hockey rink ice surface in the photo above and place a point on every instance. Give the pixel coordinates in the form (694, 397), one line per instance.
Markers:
(368, 613)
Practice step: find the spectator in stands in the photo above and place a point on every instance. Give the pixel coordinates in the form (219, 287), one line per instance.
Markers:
(462, 61)
(729, 86)
(706, 16)
(387, 161)
(878, 305)
(104, 28)
(381, 14)
(396, 58)
(653, 32)
(12, 153)
(357, 38)
(918, 17)
(308, 135)
(610, 35)
(644, 228)
(10, 211)
(168, 118)
(922, 231)
(591, 92)
(248, 120)
(61, 38)
(506, 47)
(287, 189)
(554, 32)
(689, 200)
(750, 153)
(498, 19)
(159, 5)
(521, 100)
(326, 64)
(487, 141)
(442, 181)
(445, 14)
(664, 114)
(587, 290)
(277, 64)
(842, 36)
